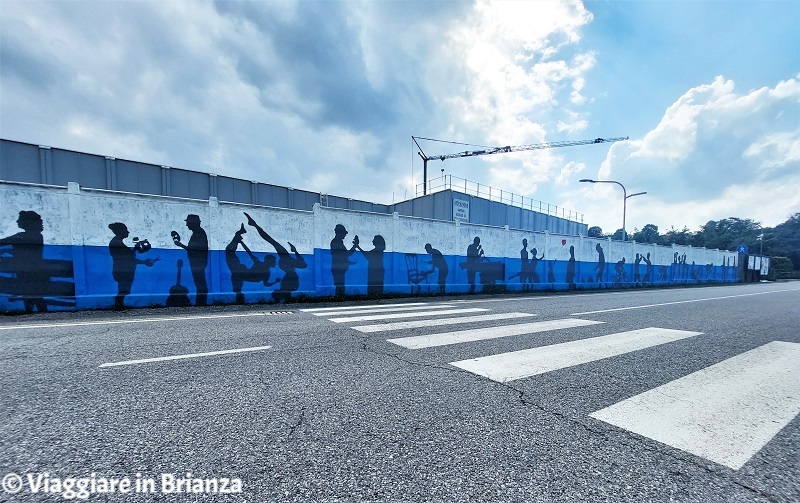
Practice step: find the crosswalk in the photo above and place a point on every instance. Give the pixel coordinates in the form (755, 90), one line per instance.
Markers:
(725, 413)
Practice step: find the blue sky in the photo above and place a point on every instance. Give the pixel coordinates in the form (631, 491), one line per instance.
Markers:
(325, 96)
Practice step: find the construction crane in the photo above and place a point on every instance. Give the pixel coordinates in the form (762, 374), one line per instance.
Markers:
(500, 150)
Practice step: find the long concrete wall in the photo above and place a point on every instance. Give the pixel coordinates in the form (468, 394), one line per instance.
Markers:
(73, 248)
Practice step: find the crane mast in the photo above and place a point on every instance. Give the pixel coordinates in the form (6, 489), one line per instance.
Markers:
(501, 150)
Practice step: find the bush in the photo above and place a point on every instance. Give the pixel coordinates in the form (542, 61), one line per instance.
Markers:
(782, 268)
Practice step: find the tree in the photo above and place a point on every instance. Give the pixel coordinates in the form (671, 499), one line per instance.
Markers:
(648, 234)
(595, 232)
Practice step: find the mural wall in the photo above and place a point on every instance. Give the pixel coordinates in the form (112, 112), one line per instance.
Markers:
(86, 249)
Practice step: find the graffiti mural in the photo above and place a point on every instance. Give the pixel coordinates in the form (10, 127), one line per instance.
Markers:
(277, 255)
(340, 258)
(28, 277)
(197, 252)
(124, 260)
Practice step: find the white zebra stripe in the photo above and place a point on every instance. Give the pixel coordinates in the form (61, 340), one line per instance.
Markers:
(479, 334)
(530, 362)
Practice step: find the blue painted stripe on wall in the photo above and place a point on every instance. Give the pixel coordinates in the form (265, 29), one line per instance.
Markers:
(95, 285)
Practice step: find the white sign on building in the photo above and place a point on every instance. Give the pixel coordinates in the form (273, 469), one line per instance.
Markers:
(460, 211)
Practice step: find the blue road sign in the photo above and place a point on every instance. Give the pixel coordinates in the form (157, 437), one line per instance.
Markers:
(742, 249)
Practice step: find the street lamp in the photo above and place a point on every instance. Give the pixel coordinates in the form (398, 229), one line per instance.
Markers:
(625, 198)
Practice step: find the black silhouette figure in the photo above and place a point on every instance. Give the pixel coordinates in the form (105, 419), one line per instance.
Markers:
(636, 277)
(340, 258)
(438, 262)
(197, 252)
(534, 276)
(571, 268)
(474, 258)
(527, 273)
(675, 272)
(124, 261)
(286, 262)
(375, 268)
(621, 275)
(601, 263)
(24, 260)
(524, 268)
(258, 272)
(178, 294)
(648, 272)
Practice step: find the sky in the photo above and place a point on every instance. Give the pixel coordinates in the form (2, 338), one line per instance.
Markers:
(326, 96)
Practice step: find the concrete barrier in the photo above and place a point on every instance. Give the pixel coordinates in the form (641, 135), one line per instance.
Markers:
(73, 248)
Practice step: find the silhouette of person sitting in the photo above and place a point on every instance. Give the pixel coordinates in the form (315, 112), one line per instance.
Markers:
(438, 262)
(619, 268)
(124, 262)
(258, 272)
(340, 258)
(25, 260)
(474, 258)
(197, 253)
(375, 268)
(286, 262)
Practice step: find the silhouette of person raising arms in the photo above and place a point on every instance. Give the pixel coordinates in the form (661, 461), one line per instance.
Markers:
(197, 253)
(286, 262)
(375, 268)
(124, 262)
(438, 262)
(259, 272)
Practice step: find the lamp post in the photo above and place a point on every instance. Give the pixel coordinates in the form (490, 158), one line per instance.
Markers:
(625, 198)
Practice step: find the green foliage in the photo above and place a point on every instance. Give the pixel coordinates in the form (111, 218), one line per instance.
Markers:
(780, 268)
(779, 242)
(595, 232)
(648, 234)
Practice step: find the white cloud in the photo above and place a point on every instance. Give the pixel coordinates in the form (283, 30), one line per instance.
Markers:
(714, 154)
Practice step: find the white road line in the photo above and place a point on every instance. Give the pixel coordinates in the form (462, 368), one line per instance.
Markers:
(530, 362)
(416, 314)
(181, 357)
(350, 308)
(480, 334)
(133, 320)
(682, 302)
(401, 325)
(386, 310)
(726, 412)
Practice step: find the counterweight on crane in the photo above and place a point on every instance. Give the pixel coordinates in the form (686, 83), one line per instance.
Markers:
(500, 150)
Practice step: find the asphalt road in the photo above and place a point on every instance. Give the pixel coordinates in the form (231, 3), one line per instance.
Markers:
(322, 411)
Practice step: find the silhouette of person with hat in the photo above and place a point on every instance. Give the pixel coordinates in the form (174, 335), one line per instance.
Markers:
(197, 253)
(340, 257)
